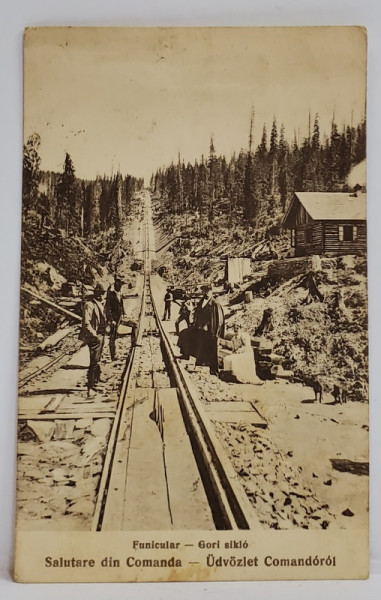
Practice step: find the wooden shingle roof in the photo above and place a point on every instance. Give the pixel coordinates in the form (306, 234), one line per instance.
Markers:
(329, 206)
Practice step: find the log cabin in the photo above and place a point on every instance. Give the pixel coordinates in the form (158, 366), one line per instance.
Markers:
(327, 223)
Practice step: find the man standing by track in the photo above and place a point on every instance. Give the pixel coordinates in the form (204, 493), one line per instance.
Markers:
(209, 325)
(114, 311)
(168, 299)
(92, 333)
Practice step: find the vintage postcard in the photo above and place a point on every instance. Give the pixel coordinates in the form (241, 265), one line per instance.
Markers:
(193, 388)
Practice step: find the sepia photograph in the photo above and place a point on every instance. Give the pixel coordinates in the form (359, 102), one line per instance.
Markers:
(193, 354)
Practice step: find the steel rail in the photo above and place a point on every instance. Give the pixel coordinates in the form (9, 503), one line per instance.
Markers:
(230, 506)
(114, 433)
(24, 380)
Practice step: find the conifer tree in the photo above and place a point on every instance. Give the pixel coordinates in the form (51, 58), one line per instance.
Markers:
(249, 197)
(31, 172)
(283, 172)
(273, 157)
(67, 196)
(212, 166)
(360, 144)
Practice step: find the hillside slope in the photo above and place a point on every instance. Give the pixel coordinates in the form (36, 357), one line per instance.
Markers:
(325, 339)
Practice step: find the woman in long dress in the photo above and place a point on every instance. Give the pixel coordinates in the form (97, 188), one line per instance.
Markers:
(241, 361)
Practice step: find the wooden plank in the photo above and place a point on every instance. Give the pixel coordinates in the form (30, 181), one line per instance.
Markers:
(251, 418)
(56, 307)
(124, 330)
(55, 338)
(137, 493)
(229, 407)
(36, 403)
(54, 403)
(81, 408)
(116, 457)
(188, 501)
(32, 416)
(146, 501)
(235, 412)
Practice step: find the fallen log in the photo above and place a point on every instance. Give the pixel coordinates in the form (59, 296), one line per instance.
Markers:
(55, 338)
(56, 307)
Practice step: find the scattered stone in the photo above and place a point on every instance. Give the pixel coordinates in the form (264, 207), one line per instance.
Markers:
(324, 524)
(100, 427)
(26, 448)
(96, 467)
(328, 482)
(33, 474)
(58, 505)
(314, 475)
(287, 501)
(68, 483)
(26, 434)
(43, 429)
(61, 449)
(58, 475)
(91, 447)
(83, 491)
(296, 417)
(33, 508)
(64, 429)
(348, 513)
(82, 507)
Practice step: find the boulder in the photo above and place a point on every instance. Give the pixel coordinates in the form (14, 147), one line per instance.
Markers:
(100, 427)
(83, 423)
(82, 507)
(91, 447)
(42, 429)
(58, 475)
(64, 429)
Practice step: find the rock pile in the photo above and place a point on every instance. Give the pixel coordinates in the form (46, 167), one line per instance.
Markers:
(59, 471)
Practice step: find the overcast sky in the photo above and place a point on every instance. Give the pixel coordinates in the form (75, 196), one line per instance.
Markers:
(133, 98)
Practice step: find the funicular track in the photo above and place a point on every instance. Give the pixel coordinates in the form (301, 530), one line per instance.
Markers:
(229, 506)
(57, 359)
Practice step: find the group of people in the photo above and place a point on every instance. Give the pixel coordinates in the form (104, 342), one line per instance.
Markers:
(101, 316)
(205, 327)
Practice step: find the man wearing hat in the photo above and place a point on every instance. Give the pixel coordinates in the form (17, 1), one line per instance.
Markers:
(209, 323)
(114, 311)
(168, 299)
(185, 312)
(92, 333)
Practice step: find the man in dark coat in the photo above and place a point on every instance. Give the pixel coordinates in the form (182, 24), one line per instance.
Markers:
(209, 324)
(168, 299)
(185, 313)
(114, 311)
(92, 333)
